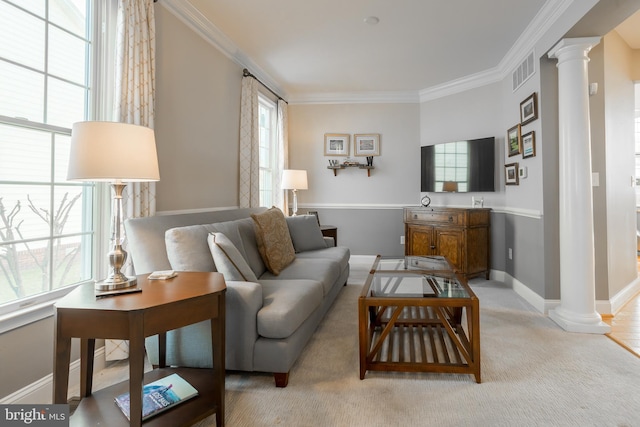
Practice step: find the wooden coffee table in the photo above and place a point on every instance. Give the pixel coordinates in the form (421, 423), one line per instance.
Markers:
(162, 305)
(416, 315)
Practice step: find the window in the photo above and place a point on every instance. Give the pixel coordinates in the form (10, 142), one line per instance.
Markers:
(267, 115)
(47, 224)
(452, 165)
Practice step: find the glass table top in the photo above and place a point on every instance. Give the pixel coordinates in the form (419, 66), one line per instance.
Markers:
(416, 277)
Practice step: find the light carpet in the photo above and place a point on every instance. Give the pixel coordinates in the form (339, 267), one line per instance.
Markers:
(533, 374)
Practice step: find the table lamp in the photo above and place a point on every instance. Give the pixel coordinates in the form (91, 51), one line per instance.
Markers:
(294, 180)
(450, 186)
(116, 153)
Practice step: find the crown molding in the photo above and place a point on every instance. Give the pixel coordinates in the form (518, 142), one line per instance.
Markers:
(539, 25)
(196, 21)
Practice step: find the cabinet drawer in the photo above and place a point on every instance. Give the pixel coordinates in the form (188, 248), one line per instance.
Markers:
(434, 217)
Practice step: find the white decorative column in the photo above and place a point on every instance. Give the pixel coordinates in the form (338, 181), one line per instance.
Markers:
(576, 312)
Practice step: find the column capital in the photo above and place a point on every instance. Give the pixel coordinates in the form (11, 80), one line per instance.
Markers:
(584, 44)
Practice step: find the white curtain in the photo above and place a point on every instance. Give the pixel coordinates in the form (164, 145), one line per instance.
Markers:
(135, 101)
(282, 196)
(249, 145)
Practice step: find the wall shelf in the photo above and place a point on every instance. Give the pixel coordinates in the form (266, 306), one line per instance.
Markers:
(351, 165)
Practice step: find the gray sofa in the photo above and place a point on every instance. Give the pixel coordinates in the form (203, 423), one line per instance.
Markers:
(268, 320)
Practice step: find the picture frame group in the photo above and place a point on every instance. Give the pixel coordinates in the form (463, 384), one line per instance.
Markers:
(364, 145)
(519, 142)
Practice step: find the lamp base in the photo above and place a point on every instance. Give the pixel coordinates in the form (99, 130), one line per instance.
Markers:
(113, 283)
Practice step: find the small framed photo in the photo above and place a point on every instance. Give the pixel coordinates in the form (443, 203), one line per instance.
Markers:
(366, 144)
(529, 109)
(511, 174)
(513, 140)
(336, 144)
(529, 144)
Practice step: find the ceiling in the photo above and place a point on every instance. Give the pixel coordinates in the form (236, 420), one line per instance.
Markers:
(299, 48)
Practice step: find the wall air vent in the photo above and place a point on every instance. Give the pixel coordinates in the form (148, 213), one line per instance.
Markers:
(523, 71)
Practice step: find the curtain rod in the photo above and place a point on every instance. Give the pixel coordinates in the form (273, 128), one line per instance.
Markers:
(246, 73)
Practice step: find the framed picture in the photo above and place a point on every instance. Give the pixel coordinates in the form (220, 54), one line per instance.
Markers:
(529, 144)
(529, 109)
(513, 140)
(366, 144)
(511, 174)
(336, 144)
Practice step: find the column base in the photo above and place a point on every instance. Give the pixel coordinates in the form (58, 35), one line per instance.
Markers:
(576, 322)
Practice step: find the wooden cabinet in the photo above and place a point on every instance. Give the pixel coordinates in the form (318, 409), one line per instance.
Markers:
(462, 235)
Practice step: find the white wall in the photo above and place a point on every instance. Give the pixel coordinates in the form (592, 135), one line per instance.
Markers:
(471, 114)
(396, 177)
(620, 148)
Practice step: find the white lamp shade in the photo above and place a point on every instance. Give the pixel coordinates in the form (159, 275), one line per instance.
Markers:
(110, 151)
(294, 179)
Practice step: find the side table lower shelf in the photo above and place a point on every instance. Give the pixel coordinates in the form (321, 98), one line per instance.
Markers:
(101, 409)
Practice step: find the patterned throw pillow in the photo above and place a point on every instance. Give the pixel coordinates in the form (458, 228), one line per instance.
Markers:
(274, 240)
(228, 259)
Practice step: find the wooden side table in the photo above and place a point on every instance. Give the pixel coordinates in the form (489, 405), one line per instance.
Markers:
(330, 231)
(162, 305)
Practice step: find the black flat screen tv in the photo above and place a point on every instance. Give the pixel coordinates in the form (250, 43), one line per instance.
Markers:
(458, 166)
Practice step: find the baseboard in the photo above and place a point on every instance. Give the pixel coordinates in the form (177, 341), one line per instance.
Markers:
(624, 296)
(41, 391)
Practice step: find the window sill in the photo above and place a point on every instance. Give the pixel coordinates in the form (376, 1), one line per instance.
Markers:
(31, 313)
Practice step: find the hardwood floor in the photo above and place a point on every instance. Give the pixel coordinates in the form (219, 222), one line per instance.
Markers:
(625, 325)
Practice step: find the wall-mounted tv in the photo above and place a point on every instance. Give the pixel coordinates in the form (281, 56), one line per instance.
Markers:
(458, 166)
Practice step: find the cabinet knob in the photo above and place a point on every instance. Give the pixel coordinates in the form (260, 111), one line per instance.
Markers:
(415, 216)
(433, 246)
(450, 219)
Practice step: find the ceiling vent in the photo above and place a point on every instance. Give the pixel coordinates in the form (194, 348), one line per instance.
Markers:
(525, 70)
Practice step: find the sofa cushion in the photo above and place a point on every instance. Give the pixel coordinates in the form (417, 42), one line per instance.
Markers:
(242, 234)
(340, 254)
(323, 270)
(228, 259)
(305, 233)
(187, 248)
(274, 240)
(286, 305)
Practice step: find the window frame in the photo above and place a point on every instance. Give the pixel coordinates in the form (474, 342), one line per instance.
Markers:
(265, 101)
(101, 60)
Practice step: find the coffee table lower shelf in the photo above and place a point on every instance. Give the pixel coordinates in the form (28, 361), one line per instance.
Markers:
(417, 339)
(100, 408)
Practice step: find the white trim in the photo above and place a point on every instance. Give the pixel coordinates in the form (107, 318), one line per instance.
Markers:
(41, 391)
(529, 213)
(190, 211)
(621, 298)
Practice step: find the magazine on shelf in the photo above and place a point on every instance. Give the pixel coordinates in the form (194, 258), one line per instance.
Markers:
(159, 396)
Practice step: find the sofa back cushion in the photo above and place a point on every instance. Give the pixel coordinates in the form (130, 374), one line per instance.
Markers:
(188, 250)
(242, 234)
(274, 240)
(228, 259)
(305, 233)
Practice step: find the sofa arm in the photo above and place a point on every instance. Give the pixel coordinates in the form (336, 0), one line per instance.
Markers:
(244, 300)
(191, 346)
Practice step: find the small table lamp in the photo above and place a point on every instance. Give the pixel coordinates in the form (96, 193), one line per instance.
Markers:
(116, 153)
(294, 180)
(450, 186)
